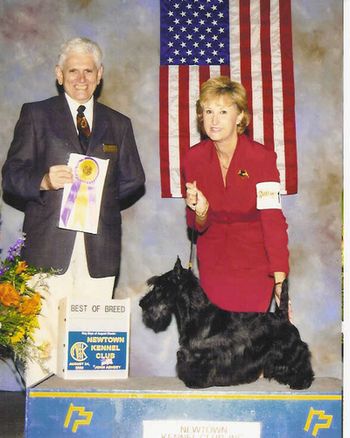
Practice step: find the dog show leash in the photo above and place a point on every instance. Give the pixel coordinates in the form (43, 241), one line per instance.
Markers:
(193, 236)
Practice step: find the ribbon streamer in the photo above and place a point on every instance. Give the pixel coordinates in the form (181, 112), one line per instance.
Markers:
(82, 192)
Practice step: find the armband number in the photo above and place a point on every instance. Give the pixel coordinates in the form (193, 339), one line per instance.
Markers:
(268, 195)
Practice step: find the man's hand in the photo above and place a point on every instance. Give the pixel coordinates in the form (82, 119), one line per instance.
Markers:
(57, 177)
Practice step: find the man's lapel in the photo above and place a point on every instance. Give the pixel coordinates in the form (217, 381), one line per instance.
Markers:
(62, 124)
(64, 127)
(99, 127)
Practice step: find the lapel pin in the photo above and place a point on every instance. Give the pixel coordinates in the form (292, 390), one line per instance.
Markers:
(243, 173)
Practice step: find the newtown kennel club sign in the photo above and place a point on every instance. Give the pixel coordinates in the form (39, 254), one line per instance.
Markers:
(93, 339)
(97, 350)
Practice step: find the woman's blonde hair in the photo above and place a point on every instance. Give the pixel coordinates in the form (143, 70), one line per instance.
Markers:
(223, 86)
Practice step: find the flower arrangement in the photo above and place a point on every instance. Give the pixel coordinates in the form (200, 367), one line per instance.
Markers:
(20, 305)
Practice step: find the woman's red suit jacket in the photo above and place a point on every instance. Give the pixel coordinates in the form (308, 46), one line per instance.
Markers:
(239, 247)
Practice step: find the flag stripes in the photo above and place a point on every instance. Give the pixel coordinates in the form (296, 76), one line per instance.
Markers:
(260, 57)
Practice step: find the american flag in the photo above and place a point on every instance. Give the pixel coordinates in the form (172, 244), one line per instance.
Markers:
(248, 40)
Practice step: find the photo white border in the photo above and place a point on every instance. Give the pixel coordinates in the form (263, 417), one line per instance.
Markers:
(346, 223)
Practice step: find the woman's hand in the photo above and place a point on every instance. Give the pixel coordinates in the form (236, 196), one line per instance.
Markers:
(279, 278)
(195, 200)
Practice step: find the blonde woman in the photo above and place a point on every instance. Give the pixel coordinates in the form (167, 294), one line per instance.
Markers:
(233, 202)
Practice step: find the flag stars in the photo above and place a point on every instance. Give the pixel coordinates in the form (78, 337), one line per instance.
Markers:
(194, 32)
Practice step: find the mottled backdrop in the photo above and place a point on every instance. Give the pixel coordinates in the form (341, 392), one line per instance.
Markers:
(154, 232)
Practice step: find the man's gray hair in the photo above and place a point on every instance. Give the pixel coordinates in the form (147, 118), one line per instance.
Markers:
(80, 45)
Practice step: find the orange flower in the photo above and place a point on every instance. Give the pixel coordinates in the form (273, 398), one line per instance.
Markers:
(22, 266)
(8, 295)
(31, 306)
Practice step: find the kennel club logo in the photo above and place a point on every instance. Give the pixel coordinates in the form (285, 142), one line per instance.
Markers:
(77, 351)
(97, 350)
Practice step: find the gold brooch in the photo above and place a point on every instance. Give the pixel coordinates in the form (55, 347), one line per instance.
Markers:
(243, 173)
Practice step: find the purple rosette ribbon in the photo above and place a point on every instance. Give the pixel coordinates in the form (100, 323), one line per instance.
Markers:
(86, 172)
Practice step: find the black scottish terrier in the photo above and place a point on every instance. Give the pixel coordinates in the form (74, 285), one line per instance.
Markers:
(221, 348)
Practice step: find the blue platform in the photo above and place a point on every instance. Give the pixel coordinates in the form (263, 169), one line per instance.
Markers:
(128, 408)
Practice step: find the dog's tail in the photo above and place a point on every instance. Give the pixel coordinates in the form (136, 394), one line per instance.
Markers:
(282, 309)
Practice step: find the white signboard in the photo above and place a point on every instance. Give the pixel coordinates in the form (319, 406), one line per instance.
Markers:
(93, 339)
(200, 429)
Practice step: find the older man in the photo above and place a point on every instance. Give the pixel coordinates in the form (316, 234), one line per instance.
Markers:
(36, 170)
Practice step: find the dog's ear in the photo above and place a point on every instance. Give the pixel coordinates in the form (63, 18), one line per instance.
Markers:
(152, 280)
(178, 263)
(178, 267)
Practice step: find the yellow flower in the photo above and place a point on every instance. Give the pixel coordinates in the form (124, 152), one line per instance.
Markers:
(8, 295)
(45, 350)
(25, 276)
(18, 336)
(22, 266)
(31, 326)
